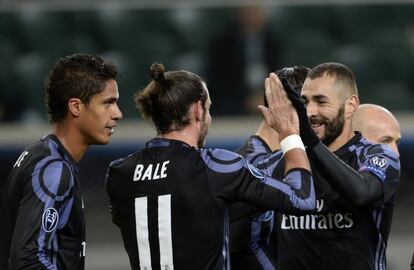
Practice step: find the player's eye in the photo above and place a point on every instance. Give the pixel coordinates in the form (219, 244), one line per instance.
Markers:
(398, 142)
(385, 141)
(108, 103)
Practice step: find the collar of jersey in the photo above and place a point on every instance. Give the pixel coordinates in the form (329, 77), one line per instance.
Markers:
(61, 149)
(163, 142)
(353, 141)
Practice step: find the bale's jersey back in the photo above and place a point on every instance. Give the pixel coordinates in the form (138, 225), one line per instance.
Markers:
(340, 235)
(171, 201)
(42, 222)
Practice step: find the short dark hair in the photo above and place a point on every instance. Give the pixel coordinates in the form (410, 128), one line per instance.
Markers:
(295, 75)
(76, 76)
(165, 101)
(340, 72)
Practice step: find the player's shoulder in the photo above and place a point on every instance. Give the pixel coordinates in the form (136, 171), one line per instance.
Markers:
(379, 159)
(40, 148)
(219, 155)
(34, 154)
(221, 160)
(53, 171)
(373, 149)
(127, 161)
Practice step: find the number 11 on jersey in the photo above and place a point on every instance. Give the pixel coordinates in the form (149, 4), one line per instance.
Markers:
(164, 232)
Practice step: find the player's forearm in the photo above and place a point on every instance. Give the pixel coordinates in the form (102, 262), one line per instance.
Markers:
(296, 158)
(298, 177)
(301, 183)
(290, 198)
(359, 188)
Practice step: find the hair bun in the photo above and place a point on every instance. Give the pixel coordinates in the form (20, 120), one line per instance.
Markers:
(157, 72)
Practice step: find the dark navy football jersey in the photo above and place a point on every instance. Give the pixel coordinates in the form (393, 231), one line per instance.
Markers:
(250, 231)
(42, 222)
(341, 235)
(171, 202)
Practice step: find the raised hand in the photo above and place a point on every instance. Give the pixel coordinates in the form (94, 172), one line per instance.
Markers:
(280, 114)
(307, 134)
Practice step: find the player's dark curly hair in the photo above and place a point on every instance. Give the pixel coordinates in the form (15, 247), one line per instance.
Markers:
(76, 76)
(165, 101)
(295, 76)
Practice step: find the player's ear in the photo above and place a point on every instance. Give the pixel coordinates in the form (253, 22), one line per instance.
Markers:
(351, 106)
(74, 106)
(198, 110)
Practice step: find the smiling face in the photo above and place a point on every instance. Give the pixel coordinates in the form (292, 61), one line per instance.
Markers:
(325, 104)
(99, 117)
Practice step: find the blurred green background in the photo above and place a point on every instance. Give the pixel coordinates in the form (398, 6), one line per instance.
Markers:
(375, 41)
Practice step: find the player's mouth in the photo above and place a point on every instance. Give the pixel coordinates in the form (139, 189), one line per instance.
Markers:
(111, 129)
(316, 123)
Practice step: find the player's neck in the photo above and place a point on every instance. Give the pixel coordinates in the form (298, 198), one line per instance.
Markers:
(342, 139)
(71, 139)
(187, 135)
(269, 135)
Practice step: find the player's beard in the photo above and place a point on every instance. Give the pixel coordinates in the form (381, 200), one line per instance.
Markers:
(203, 132)
(334, 127)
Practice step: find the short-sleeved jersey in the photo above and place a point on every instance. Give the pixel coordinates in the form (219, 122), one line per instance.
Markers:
(341, 235)
(171, 202)
(42, 222)
(249, 231)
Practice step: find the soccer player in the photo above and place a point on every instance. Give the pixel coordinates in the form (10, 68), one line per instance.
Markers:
(42, 222)
(378, 125)
(354, 181)
(171, 199)
(249, 229)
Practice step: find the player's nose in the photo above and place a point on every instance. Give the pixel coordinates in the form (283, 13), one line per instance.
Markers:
(117, 114)
(311, 109)
(394, 147)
